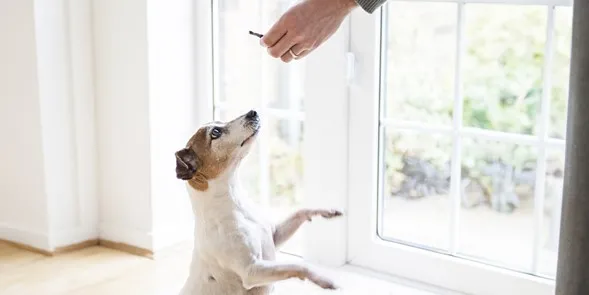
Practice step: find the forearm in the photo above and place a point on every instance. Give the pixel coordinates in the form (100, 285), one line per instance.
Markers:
(285, 230)
(370, 5)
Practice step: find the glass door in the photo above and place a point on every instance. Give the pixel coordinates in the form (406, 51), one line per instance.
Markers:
(457, 120)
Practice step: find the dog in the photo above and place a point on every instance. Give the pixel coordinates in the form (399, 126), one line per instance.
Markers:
(234, 245)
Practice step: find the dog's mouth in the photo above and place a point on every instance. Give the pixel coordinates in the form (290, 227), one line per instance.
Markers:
(252, 121)
(250, 138)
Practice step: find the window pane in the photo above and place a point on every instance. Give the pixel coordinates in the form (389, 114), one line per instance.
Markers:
(286, 163)
(285, 139)
(497, 215)
(420, 57)
(561, 69)
(552, 212)
(416, 188)
(503, 66)
(248, 76)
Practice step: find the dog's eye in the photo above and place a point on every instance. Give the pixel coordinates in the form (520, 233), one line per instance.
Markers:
(216, 133)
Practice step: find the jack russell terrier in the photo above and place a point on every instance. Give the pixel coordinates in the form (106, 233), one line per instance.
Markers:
(234, 245)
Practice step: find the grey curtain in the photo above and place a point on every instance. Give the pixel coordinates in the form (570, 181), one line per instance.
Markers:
(573, 257)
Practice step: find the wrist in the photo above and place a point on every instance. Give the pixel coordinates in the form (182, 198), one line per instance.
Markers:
(348, 4)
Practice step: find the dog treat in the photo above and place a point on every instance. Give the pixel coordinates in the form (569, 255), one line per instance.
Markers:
(256, 34)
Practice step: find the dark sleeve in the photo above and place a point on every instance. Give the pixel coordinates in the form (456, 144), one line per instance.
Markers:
(370, 5)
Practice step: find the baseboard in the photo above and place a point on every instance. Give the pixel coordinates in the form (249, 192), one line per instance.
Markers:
(83, 245)
(141, 239)
(27, 247)
(37, 241)
(126, 248)
(74, 236)
(57, 251)
(76, 246)
(132, 241)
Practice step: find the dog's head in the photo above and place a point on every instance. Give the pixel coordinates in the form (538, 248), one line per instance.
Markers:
(216, 148)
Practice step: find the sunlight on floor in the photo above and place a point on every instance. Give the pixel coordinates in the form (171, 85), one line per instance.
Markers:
(98, 270)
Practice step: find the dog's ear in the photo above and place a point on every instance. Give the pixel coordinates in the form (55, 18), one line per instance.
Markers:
(187, 164)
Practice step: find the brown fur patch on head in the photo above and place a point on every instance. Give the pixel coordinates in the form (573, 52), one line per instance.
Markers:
(202, 161)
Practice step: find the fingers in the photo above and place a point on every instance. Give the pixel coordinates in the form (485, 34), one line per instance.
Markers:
(297, 49)
(304, 53)
(282, 47)
(274, 35)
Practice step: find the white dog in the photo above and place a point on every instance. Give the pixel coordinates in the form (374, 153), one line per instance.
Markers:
(234, 245)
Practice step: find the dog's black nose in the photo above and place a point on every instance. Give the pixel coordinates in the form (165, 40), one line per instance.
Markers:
(251, 115)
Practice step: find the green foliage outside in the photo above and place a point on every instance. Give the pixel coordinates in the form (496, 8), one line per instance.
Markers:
(502, 82)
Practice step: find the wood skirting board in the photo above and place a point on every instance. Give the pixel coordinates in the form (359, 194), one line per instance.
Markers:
(126, 248)
(85, 244)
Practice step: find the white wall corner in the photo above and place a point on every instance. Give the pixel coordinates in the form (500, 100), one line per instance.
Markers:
(23, 204)
(107, 110)
(64, 69)
(123, 233)
(145, 113)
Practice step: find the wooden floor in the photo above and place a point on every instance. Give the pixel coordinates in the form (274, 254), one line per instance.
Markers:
(99, 270)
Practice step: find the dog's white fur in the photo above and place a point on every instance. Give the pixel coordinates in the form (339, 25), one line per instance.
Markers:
(234, 244)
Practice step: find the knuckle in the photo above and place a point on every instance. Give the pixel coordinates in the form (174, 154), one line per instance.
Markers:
(273, 52)
(298, 37)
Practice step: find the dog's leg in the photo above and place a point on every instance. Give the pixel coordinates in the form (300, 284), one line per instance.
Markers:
(287, 228)
(264, 272)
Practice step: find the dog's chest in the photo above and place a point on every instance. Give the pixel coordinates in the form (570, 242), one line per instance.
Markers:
(238, 230)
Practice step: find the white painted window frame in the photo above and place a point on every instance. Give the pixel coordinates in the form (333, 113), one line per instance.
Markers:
(366, 248)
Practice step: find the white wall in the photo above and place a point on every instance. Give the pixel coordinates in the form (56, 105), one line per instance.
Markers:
(95, 98)
(66, 97)
(23, 208)
(172, 110)
(144, 88)
(122, 102)
(47, 192)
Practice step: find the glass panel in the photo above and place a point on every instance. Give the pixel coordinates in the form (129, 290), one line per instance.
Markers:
(285, 140)
(561, 69)
(503, 66)
(416, 188)
(552, 212)
(420, 61)
(497, 215)
(248, 76)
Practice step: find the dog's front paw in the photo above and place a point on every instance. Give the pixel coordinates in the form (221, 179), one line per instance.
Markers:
(327, 214)
(322, 282)
(330, 213)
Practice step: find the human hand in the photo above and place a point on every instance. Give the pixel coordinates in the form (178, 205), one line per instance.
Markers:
(304, 27)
